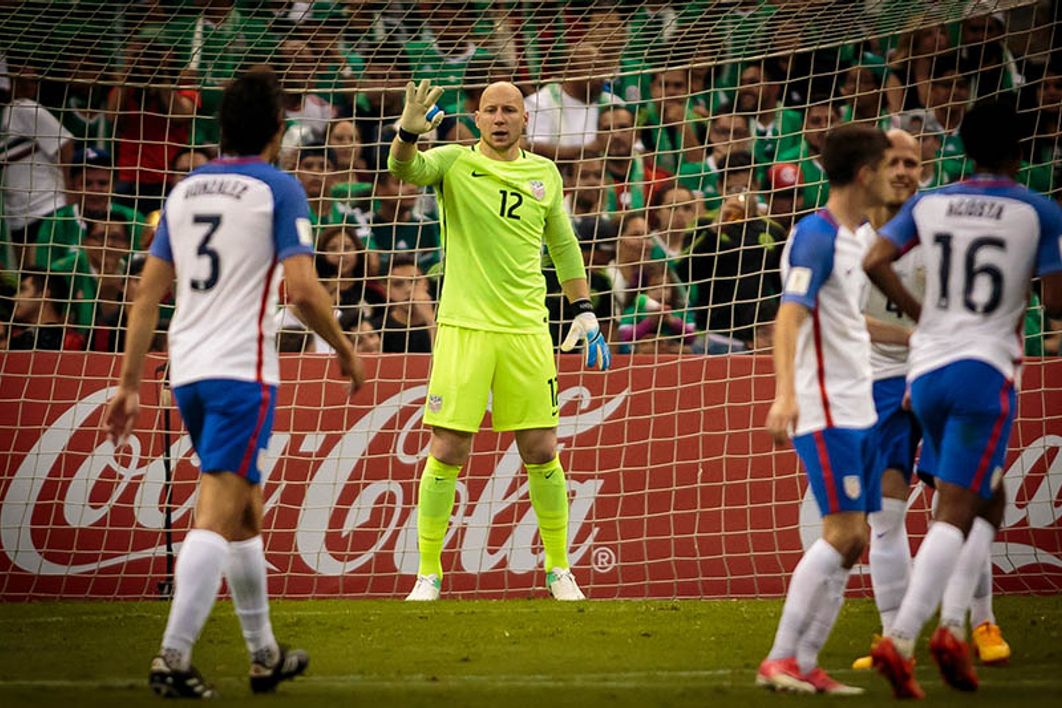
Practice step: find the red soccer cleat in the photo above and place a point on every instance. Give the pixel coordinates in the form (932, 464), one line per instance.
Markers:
(782, 675)
(824, 683)
(897, 670)
(954, 660)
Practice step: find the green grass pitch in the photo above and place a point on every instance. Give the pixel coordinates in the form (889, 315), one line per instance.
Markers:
(486, 653)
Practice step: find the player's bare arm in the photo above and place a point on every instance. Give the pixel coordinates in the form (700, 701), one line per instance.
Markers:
(878, 266)
(314, 308)
(155, 282)
(887, 332)
(782, 417)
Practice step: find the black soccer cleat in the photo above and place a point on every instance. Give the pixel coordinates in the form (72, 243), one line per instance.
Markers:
(264, 678)
(169, 682)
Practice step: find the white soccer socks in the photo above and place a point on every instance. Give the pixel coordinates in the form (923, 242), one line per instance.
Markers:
(890, 558)
(820, 563)
(933, 566)
(246, 573)
(197, 578)
(967, 574)
(821, 621)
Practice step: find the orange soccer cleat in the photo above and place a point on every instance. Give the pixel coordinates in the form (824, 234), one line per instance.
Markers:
(897, 670)
(824, 683)
(782, 675)
(989, 645)
(954, 659)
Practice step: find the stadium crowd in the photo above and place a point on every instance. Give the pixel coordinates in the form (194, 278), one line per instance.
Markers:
(681, 184)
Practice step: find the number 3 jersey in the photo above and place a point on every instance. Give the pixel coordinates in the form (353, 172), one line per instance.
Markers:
(495, 215)
(982, 240)
(226, 228)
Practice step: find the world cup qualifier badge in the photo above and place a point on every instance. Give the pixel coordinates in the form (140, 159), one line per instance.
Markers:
(538, 189)
(434, 403)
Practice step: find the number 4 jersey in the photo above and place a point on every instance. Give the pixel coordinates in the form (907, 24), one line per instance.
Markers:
(495, 215)
(982, 240)
(226, 228)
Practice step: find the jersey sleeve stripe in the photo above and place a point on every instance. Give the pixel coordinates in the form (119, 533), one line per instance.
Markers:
(827, 472)
(821, 366)
(993, 439)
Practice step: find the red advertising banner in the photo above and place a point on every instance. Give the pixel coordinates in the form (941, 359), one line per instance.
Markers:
(676, 491)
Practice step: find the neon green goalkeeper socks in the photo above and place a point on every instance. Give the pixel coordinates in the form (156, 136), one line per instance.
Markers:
(549, 498)
(434, 508)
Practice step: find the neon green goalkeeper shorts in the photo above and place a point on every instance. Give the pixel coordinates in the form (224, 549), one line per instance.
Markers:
(516, 372)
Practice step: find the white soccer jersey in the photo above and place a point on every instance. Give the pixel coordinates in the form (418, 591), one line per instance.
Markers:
(983, 240)
(890, 360)
(226, 228)
(822, 267)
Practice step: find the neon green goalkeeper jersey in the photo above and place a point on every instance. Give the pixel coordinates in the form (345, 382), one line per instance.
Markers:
(494, 217)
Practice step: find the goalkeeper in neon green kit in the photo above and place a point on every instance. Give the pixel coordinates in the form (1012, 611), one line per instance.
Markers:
(497, 203)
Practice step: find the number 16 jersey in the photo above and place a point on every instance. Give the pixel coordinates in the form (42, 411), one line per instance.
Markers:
(983, 240)
(226, 228)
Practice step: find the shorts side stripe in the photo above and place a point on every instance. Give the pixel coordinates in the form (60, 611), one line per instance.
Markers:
(827, 472)
(993, 439)
(252, 444)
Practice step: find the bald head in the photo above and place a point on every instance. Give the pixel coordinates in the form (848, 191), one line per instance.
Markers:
(501, 92)
(902, 140)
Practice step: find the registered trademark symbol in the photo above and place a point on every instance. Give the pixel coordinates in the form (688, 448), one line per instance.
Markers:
(603, 559)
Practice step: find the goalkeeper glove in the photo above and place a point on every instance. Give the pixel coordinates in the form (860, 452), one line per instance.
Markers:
(585, 327)
(420, 114)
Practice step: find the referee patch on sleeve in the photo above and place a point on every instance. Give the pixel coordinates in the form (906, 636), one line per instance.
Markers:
(304, 231)
(799, 281)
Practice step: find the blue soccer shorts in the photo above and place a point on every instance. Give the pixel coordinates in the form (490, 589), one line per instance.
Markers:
(896, 434)
(230, 422)
(842, 468)
(966, 410)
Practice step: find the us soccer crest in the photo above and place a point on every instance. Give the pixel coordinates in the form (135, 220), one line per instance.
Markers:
(538, 189)
(434, 403)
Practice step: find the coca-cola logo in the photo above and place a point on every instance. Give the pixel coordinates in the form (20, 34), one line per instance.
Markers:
(129, 478)
(1032, 502)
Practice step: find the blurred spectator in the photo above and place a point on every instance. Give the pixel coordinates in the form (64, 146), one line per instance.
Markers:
(633, 176)
(587, 189)
(864, 99)
(91, 189)
(983, 52)
(734, 263)
(785, 200)
(408, 323)
(108, 335)
(84, 102)
(345, 142)
(35, 150)
(445, 48)
(215, 42)
(653, 322)
(96, 270)
(316, 171)
(728, 133)
(37, 321)
(819, 117)
(382, 86)
(739, 177)
(397, 229)
(296, 65)
(1043, 151)
(947, 100)
(635, 250)
(152, 121)
(911, 67)
(363, 333)
(670, 127)
(187, 160)
(674, 216)
(563, 117)
(343, 265)
(759, 100)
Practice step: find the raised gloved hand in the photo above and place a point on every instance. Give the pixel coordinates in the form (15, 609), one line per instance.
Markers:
(585, 328)
(420, 114)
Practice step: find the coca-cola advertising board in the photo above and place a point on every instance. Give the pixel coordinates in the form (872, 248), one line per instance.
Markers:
(676, 491)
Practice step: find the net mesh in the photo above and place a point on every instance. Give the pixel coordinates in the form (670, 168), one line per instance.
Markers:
(688, 137)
